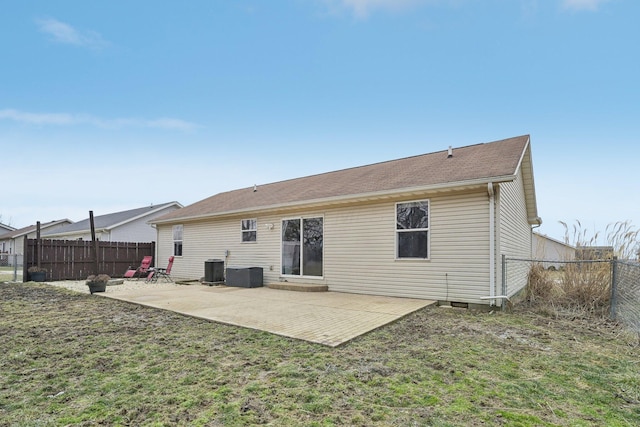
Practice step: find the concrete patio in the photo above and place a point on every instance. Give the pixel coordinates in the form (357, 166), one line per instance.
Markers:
(329, 318)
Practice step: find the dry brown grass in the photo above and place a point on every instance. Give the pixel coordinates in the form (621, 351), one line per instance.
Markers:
(577, 287)
(583, 287)
(540, 286)
(622, 236)
(586, 286)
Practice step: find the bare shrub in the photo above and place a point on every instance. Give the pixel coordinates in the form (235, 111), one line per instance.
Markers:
(586, 287)
(540, 284)
(579, 288)
(622, 237)
(625, 239)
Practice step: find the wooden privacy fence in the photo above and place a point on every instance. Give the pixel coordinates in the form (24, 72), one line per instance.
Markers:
(74, 259)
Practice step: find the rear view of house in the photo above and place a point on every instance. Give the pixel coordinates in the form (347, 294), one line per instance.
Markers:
(432, 226)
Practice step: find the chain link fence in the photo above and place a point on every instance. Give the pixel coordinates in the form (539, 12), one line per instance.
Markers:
(598, 286)
(11, 267)
(625, 293)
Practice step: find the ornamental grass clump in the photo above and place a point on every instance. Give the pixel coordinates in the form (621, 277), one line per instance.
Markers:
(586, 287)
(98, 283)
(540, 285)
(583, 285)
(100, 278)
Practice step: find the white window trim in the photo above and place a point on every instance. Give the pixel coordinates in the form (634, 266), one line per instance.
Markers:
(428, 230)
(173, 239)
(300, 276)
(255, 220)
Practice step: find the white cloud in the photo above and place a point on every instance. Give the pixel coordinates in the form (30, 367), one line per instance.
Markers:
(65, 119)
(36, 118)
(582, 4)
(66, 34)
(362, 8)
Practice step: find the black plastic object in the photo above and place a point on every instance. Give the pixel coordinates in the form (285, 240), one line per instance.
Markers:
(214, 270)
(247, 277)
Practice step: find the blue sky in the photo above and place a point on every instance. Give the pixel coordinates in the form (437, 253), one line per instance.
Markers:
(107, 106)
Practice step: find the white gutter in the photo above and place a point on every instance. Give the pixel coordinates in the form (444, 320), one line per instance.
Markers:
(447, 186)
(492, 243)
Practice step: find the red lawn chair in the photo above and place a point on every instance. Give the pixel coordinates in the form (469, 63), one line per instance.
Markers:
(163, 273)
(140, 271)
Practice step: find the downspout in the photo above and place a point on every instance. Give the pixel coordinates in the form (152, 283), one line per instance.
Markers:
(156, 248)
(533, 227)
(492, 243)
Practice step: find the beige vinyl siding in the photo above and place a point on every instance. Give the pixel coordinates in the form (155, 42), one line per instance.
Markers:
(515, 231)
(18, 244)
(210, 239)
(164, 249)
(359, 249)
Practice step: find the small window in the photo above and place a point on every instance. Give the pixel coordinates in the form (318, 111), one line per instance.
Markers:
(177, 240)
(249, 230)
(412, 230)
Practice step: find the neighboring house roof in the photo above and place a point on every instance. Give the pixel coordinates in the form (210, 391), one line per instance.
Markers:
(110, 221)
(473, 165)
(595, 252)
(31, 228)
(5, 228)
(544, 236)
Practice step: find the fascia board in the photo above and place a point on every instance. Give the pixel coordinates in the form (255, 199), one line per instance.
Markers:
(351, 198)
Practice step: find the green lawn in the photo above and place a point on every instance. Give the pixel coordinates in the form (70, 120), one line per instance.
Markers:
(77, 359)
(6, 273)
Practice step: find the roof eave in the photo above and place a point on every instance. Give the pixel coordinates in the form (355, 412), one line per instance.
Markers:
(525, 165)
(544, 236)
(118, 224)
(76, 232)
(42, 227)
(346, 199)
(158, 208)
(535, 221)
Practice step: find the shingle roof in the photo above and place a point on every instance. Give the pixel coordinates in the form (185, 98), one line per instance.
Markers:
(28, 229)
(474, 162)
(107, 221)
(5, 228)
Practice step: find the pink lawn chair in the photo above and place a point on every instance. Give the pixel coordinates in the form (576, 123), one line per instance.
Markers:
(162, 273)
(140, 271)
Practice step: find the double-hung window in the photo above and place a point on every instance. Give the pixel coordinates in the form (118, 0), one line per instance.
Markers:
(249, 230)
(177, 240)
(412, 230)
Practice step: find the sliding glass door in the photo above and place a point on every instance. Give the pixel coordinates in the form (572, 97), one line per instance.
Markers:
(302, 246)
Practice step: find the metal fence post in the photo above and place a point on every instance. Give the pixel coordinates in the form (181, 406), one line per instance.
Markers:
(614, 283)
